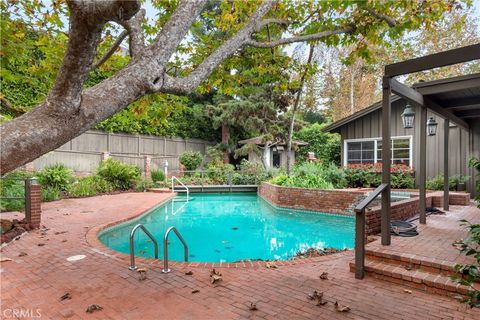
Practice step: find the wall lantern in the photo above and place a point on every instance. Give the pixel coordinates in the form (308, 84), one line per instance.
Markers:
(408, 116)
(431, 126)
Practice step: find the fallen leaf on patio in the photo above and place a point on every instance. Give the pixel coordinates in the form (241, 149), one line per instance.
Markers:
(215, 276)
(41, 244)
(188, 273)
(22, 254)
(317, 296)
(253, 306)
(195, 291)
(143, 274)
(408, 267)
(93, 307)
(270, 265)
(60, 232)
(407, 291)
(66, 296)
(324, 276)
(67, 214)
(341, 308)
(64, 240)
(5, 259)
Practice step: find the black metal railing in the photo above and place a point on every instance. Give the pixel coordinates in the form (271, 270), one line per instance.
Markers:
(360, 230)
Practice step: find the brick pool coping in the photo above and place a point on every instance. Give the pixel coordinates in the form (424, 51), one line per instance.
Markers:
(93, 233)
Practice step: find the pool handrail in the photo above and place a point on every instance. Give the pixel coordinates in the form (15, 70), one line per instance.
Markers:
(165, 248)
(132, 246)
(360, 230)
(181, 183)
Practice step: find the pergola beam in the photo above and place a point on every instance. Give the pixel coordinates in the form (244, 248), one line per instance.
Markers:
(406, 92)
(449, 86)
(432, 61)
(461, 104)
(435, 107)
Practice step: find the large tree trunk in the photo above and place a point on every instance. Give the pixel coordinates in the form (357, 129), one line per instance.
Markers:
(294, 111)
(225, 141)
(265, 157)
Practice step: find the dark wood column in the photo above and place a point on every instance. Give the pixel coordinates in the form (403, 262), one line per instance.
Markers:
(386, 161)
(422, 168)
(446, 189)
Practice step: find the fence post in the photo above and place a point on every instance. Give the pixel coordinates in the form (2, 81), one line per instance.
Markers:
(147, 166)
(33, 210)
(165, 166)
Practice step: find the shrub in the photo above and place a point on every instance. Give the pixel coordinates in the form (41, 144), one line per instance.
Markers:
(49, 194)
(469, 273)
(191, 160)
(157, 175)
(250, 172)
(436, 183)
(120, 175)
(325, 145)
(144, 185)
(335, 175)
(57, 176)
(89, 186)
(369, 175)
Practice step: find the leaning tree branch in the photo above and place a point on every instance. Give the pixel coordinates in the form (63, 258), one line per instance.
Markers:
(6, 106)
(304, 38)
(135, 31)
(111, 51)
(389, 20)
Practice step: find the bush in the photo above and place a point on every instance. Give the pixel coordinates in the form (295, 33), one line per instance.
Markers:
(157, 175)
(144, 185)
(120, 175)
(436, 183)
(306, 175)
(49, 194)
(57, 176)
(191, 160)
(325, 145)
(369, 176)
(90, 186)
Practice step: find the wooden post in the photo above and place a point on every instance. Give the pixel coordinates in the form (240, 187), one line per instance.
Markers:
(422, 174)
(446, 189)
(386, 161)
(360, 244)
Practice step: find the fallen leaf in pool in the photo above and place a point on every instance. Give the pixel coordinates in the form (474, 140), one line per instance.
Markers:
(141, 252)
(225, 241)
(228, 248)
(218, 251)
(191, 255)
(235, 228)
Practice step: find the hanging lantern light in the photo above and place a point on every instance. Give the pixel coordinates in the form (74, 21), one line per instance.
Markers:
(408, 116)
(431, 126)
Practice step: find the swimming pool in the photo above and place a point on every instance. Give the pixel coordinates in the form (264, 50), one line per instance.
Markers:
(231, 227)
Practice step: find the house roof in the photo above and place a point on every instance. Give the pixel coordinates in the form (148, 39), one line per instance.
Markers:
(457, 98)
(259, 141)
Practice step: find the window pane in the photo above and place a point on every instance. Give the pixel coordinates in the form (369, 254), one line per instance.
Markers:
(367, 155)
(401, 143)
(354, 146)
(368, 145)
(401, 153)
(354, 155)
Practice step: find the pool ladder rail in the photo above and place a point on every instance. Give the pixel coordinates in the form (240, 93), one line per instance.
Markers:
(155, 244)
(181, 184)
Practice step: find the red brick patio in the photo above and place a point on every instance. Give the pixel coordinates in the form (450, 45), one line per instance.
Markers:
(37, 280)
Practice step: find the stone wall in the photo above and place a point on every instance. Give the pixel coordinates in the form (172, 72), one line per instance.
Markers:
(334, 201)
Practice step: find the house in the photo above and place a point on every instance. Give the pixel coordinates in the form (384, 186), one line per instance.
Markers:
(361, 133)
(275, 154)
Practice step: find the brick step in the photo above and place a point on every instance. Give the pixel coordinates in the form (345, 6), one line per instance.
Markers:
(414, 262)
(417, 279)
(160, 190)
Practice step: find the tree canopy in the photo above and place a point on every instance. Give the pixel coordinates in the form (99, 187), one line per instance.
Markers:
(190, 45)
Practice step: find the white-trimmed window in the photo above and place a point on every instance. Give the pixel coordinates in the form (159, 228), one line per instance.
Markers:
(370, 150)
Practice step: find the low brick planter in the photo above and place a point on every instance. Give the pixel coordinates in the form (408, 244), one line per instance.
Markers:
(339, 201)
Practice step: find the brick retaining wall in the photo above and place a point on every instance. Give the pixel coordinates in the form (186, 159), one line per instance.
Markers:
(335, 201)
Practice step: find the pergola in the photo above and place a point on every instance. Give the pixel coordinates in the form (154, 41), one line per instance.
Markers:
(454, 99)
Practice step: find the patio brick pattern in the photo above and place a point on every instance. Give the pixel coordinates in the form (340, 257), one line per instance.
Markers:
(38, 279)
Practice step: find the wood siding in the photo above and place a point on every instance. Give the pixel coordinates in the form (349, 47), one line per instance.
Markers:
(462, 144)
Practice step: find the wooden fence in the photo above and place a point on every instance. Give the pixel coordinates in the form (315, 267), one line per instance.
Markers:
(85, 152)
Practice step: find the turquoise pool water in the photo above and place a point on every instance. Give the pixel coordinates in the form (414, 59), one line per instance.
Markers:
(230, 227)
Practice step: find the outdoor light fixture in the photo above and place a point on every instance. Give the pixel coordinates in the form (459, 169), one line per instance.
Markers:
(431, 126)
(408, 116)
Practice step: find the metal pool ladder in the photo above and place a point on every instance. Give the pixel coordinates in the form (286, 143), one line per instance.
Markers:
(132, 247)
(181, 183)
(165, 248)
